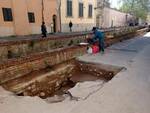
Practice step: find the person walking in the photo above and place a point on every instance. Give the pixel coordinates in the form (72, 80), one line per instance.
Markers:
(98, 34)
(70, 26)
(43, 30)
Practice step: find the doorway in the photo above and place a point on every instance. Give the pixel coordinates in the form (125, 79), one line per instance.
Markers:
(54, 23)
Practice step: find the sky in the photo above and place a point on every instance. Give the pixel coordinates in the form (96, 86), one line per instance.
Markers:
(114, 4)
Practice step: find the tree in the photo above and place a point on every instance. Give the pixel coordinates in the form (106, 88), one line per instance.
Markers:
(139, 8)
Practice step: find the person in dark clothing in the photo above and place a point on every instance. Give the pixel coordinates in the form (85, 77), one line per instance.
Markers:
(43, 30)
(70, 26)
(148, 28)
(98, 34)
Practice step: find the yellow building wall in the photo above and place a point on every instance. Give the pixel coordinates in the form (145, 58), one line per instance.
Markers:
(50, 10)
(6, 28)
(79, 23)
(35, 7)
(20, 24)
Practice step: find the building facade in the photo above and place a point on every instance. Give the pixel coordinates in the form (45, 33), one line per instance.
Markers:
(24, 17)
(108, 17)
(101, 4)
(80, 12)
(148, 18)
(113, 18)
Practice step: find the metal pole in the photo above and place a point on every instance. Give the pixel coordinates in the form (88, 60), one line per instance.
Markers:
(60, 15)
(103, 6)
(42, 11)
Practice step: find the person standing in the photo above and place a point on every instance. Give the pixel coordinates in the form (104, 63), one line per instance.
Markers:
(70, 26)
(98, 34)
(43, 30)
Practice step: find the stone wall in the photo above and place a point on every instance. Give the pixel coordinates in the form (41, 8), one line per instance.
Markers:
(77, 27)
(113, 17)
(23, 48)
(17, 73)
(15, 68)
(47, 53)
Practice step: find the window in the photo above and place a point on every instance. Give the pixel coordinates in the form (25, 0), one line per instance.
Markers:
(69, 7)
(31, 17)
(80, 9)
(90, 11)
(7, 14)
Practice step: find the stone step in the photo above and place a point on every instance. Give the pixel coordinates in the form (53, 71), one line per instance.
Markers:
(15, 68)
(21, 84)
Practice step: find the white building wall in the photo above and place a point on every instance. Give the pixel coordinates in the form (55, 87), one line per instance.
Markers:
(114, 17)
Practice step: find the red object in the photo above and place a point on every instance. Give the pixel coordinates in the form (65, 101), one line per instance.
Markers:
(96, 43)
(95, 49)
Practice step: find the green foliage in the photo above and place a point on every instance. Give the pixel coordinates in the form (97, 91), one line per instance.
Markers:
(139, 8)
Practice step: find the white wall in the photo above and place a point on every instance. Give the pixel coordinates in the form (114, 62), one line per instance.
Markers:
(118, 18)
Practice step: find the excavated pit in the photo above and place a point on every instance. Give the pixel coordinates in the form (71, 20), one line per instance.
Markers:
(58, 79)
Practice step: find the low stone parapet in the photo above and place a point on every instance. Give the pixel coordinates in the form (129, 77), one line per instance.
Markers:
(21, 48)
(25, 47)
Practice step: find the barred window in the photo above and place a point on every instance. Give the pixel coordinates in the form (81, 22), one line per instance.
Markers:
(7, 14)
(69, 7)
(80, 9)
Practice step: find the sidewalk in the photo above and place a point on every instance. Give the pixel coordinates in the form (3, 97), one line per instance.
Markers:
(58, 34)
(127, 92)
(31, 37)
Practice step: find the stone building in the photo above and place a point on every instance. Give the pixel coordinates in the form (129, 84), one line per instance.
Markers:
(109, 17)
(101, 4)
(80, 12)
(114, 18)
(24, 17)
(148, 18)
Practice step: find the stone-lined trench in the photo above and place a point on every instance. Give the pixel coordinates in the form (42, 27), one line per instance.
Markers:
(57, 80)
(46, 74)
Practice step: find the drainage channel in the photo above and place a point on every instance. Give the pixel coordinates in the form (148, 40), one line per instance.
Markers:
(60, 79)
